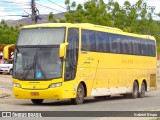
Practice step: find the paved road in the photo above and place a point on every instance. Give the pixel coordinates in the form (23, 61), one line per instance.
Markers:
(5, 81)
(116, 103)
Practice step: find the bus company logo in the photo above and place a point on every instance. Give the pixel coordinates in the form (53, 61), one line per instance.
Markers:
(6, 114)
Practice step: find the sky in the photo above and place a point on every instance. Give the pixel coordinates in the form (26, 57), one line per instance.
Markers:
(13, 10)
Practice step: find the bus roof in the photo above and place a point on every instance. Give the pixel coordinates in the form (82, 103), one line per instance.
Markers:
(91, 27)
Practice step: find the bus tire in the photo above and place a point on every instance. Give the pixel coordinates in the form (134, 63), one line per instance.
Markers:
(135, 90)
(37, 101)
(80, 95)
(0, 72)
(142, 92)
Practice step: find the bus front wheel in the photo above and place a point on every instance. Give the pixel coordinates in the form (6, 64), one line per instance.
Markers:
(37, 101)
(80, 95)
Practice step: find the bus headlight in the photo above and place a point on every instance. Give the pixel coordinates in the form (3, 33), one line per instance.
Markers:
(17, 85)
(55, 85)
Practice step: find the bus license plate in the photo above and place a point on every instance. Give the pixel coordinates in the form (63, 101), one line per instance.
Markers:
(34, 93)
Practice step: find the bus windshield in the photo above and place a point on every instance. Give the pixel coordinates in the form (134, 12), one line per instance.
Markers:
(37, 54)
(41, 63)
(41, 36)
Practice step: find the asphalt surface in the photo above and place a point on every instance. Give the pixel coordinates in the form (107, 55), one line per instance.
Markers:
(151, 102)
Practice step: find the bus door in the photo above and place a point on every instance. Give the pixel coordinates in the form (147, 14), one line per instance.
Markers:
(72, 54)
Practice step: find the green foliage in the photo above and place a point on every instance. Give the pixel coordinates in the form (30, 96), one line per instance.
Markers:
(51, 18)
(129, 19)
(8, 34)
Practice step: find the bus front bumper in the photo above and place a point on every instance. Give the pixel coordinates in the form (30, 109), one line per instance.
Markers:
(50, 93)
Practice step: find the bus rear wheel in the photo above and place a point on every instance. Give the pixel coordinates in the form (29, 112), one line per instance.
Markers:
(135, 90)
(80, 95)
(142, 92)
(37, 101)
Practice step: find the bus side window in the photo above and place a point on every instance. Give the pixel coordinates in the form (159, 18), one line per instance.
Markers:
(151, 48)
(100, 42)
(136, 46)
(115, 43)
(85, 43)
(144, 48)
(126, 45)
(88, 41)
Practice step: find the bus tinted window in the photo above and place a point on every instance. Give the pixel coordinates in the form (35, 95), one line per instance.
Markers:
(136, 43)
(102, 42)
(144, 48)
(126, 45)
(151, 48)
(106, 43)
(88, 40)
(115, 43)
(97, 41)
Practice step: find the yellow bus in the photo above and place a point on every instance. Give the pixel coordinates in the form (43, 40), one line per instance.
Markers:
(73, 61)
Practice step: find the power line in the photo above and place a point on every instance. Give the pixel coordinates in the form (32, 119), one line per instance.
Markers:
(57, 4)
(48, 7)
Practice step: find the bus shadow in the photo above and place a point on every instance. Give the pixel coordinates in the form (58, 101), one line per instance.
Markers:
(86, 101)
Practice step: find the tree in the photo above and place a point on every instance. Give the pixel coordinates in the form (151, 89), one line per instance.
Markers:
(8, 34)
(134, 19)
(51, 18)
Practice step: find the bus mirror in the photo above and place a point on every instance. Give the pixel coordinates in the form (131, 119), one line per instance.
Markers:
(8, 49)
(62, 49)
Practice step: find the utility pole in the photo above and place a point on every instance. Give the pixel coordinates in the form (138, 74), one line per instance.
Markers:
(34, 15)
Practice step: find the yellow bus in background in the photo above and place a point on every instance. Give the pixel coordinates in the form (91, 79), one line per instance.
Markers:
(73, 61)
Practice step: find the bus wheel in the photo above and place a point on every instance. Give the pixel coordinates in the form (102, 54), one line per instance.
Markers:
(37, 101)
(143, 88)
(80, 95)
(135, 90)
(0, 72)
